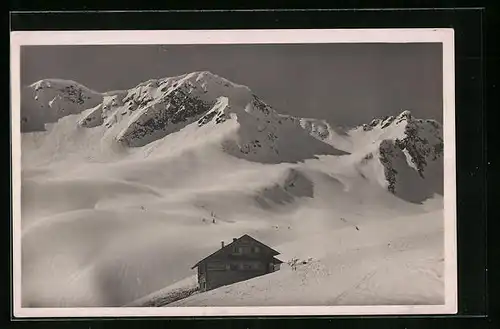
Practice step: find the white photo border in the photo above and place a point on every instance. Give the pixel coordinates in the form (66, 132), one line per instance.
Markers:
(276, 36)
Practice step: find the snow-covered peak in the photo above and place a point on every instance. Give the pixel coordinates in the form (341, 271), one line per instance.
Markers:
(401, 151)
(406, 114)
(246, 126)
(386, 121)
(48, 100)
(56, 83)
(158, 107)
(391, 127)
(207, 77)
(198, 81)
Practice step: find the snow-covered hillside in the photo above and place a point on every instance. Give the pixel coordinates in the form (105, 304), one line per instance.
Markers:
(362, 263)
(48, 100)
(123, 195)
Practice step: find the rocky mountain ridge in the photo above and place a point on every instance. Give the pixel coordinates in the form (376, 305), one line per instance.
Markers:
(381, 150)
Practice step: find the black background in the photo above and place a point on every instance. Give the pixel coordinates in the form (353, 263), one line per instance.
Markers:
(476, 57)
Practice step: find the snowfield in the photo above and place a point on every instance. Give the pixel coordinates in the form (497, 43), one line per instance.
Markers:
(376, 264)
(121, 197)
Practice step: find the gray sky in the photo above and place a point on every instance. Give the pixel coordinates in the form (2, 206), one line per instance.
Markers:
(347, 84)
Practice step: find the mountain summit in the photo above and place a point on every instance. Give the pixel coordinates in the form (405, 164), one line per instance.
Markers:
(401, 153)
(157, 108)
(48, 100)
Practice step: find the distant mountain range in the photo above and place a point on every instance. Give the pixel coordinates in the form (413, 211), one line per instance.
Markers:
(383, 150)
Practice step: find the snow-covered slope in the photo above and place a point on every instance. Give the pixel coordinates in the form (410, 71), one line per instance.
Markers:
(366, 263)
(120, 199)
(324, 131)
(179, 290)
(48, 100)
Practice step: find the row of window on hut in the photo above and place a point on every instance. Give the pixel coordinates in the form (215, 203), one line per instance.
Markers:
(242, 250)
(234, 266)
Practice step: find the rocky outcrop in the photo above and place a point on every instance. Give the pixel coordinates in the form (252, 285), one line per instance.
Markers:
(419, 149)
(177, 109)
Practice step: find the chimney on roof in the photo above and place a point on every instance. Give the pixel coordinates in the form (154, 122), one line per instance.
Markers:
(222, 244)
(234, 239)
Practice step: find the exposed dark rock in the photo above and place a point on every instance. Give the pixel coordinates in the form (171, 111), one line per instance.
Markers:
(73, 94)
(387, 148)
(221, 117)
(387, 121)
(177, 107)
(374, 122)
(206, 118)
(260, 105)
